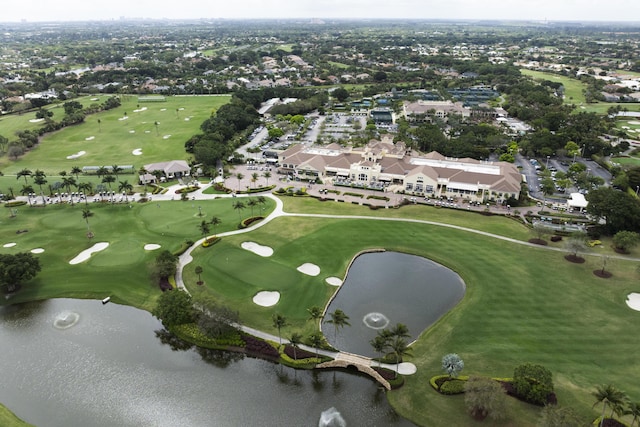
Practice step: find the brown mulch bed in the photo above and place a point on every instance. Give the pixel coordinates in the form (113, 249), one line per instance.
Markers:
(621, 251)
(539, 242)
(602, 274)
(574, 258)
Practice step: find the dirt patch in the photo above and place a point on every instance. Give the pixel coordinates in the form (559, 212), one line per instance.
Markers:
(574, 258)
(541, 242)
(602, 274)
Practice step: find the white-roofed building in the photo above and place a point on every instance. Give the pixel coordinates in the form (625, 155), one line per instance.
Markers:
(380, 164)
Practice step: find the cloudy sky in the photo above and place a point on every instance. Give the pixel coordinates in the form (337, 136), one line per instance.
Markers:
(552, 10)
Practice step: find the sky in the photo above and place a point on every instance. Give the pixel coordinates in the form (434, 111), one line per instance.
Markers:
(538, 10)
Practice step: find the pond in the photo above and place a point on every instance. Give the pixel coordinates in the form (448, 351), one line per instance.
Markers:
(76, 362)
(383, 289)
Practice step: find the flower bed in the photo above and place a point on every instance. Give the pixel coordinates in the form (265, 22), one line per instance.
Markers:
(15, 203)
(248, 221)
(189, 189)
(260, 347)
(299, 353)
(210, 241)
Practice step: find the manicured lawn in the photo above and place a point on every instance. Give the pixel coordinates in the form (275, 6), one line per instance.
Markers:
(8, 418)
(122, 270)
(627, 161)
(522, 305)
(573, 93)
(112, 141)
(572, 87)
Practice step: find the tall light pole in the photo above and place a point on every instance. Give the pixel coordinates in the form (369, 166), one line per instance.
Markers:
(547, 165)
(637, 188)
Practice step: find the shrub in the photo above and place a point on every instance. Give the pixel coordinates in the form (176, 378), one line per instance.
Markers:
(385, 373)
(532, 383)
(210, 241)
(299, 353)
(189, 189)
(452, 386)
(260, 347)
(556, 238)
(248, 221)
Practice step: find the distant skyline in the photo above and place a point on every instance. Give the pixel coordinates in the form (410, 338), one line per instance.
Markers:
(530, 10)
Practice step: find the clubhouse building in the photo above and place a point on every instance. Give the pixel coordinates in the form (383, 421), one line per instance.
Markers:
(383, 165)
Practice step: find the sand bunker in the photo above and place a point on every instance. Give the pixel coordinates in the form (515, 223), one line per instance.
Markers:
(186, 119)
(151, 247)
(181, 108)
(132, 131)
(633, 301)
(163, 109)
(137, 152)
(257, 249)
(9, 245)
(37, 251)
(166, 137)
(634, 122)
(86, 254)
(309, 269)
(76, 155)
(147, 131)
(625, 127)
(94, 99)
(266, 298)
(407, 368)
(90, 138)
(333, 281)
(36, 120)
(140, 109)
(123, 118)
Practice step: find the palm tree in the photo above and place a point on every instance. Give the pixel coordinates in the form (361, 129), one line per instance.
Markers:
(199, 272)
(295, 340)
(115, 169)
(239, 206)
(204, 228)
(26, 191)
(254, 178)
(108, 179)
(215, 221)
(239, 176)
(611, 396)
(63, 173)
(379, 344)
(156, 124)
(251, 203)
(126, 188)
(86, 213)
(86, 188)
(400, 330)
(316, 339)
(267, 175)
(75, 170)
(634, 410)
(39, 180)
(400, 348)
(99, 125)
(339, 320)
(67, 182)
(279, 322)
(24, 173)
(102, 171)
(315, 313)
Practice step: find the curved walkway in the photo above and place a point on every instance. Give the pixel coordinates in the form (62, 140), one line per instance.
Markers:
(344, 357)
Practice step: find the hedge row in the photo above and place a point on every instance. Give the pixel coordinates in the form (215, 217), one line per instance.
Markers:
(248, 221)
(210, 241)
(15, 203)
(189, 189)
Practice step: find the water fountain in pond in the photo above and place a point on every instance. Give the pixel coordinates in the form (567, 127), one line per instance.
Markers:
(66, 319)
(331, 418)
(375, 320)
